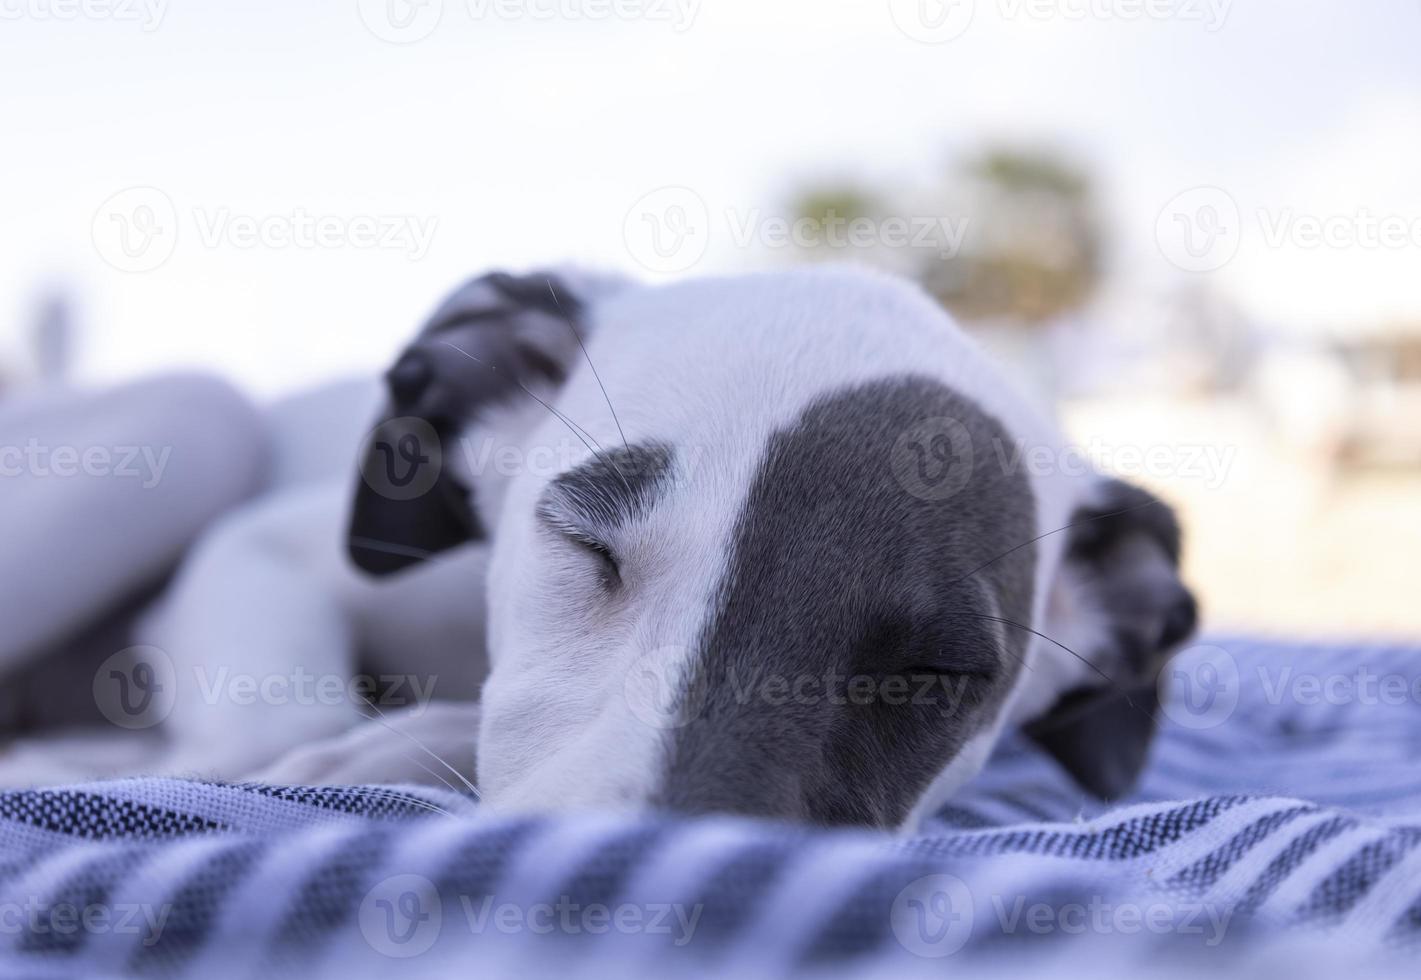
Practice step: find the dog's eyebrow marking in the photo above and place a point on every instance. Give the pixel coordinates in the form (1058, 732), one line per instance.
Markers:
(611, 488)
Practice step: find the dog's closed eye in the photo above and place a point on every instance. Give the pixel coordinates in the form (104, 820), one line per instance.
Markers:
(583, 540)
(950, 645)
(590, 503)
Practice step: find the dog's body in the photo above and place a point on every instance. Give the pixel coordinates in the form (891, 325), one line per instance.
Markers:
(764, 545)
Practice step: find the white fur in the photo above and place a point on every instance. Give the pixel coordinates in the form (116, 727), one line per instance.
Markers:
(712, 368)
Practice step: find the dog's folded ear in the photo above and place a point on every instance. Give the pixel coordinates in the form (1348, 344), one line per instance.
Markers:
(1122, 574)
(494, 337)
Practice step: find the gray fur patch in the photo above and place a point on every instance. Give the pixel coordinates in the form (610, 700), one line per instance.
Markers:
(848, 660)
(613, 487)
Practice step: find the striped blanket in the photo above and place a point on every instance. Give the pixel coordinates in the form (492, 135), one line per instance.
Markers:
(1280, 818)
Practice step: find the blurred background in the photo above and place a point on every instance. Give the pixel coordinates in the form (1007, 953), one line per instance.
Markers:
(1193, 226)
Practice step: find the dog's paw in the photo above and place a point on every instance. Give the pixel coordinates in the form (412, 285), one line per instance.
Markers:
(76, 757)
(429, 746)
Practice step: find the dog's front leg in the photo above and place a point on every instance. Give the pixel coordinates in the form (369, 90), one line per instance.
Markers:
(254, 641)
(429, 745)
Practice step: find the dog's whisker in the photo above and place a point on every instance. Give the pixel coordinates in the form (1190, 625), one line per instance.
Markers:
(428, 751)
(592, 447)
(577, 430)
(414, 761)
(1095, 667)
(577, 334)
(1026, 544)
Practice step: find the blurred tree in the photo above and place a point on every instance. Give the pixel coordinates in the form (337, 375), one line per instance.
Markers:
(1033, 248)
(1029, 245)
(826, 204)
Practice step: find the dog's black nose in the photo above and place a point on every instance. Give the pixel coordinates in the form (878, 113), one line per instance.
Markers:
(1179, 621)
(409, 378)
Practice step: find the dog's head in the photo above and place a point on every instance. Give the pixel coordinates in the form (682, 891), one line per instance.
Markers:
(767, 546)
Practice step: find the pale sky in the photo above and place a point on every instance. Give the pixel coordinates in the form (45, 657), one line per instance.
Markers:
(524, 132)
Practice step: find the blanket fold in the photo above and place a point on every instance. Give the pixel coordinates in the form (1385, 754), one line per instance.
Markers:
(1282, 805)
